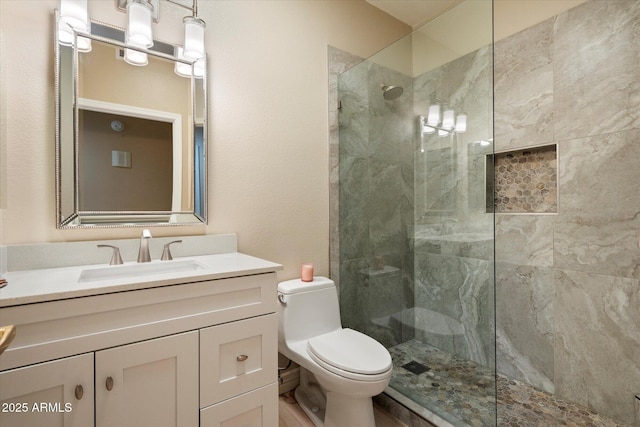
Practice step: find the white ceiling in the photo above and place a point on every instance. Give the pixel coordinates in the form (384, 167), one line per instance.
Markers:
(414, 12)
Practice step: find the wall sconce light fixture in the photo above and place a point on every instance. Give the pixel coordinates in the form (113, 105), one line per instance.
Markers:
(74, 18)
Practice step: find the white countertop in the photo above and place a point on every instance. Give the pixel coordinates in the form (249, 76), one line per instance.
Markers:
(49, 284)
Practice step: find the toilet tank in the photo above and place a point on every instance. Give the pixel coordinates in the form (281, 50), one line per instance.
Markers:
(307, 309)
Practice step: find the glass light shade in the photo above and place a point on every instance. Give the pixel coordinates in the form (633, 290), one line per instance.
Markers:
(193, 37)
(184, 70)
(198, 69)
(181, 69)
(135, 57)
(461, 123)
(434, 115)
(84, 44)
(73, 17)
(139, 24)
(442, 133)
(448, 120)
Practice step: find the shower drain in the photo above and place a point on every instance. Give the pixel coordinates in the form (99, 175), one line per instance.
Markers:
(416, 367)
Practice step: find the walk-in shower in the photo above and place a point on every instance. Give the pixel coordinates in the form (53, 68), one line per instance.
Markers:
(526, 316)
(415, 232)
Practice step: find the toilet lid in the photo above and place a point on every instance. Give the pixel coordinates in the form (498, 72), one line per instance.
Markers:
(351, 351)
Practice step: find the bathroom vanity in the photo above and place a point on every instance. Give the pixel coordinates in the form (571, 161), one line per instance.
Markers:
(191, 344)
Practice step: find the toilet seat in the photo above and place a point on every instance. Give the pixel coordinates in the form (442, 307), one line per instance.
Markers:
(350, 354)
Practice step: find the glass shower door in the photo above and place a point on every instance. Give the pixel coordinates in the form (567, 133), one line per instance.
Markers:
(416, 212)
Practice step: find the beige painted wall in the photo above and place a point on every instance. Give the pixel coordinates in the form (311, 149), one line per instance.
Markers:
(464, 28)
(268, 152)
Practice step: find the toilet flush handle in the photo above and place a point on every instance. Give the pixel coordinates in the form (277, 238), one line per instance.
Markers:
(282, 299)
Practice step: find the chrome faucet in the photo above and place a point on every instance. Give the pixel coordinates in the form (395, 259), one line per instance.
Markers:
(143, 252)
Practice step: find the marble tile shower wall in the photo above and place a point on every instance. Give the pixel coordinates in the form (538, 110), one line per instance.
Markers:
(453, 239)
(375, 201)
(568, 285)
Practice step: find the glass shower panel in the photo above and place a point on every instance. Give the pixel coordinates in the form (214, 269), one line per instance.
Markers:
(416, 212)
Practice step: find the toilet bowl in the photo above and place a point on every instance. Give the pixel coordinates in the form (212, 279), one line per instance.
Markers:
(341, 369)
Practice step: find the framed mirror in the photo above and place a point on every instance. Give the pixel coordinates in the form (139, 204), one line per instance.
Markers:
(131, 139)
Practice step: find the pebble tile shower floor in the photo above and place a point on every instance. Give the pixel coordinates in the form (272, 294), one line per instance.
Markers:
(463, 393)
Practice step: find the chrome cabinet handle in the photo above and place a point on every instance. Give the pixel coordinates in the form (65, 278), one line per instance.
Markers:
(79, 391)
(116, 259)
(166, 253)
(109, 383)
(242, 358)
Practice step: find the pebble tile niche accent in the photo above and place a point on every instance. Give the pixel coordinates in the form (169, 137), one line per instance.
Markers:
(526, 181)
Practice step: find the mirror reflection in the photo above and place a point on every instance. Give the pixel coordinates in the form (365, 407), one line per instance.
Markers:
(131, 139)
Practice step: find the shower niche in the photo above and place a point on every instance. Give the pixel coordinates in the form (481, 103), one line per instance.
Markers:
(525, 181)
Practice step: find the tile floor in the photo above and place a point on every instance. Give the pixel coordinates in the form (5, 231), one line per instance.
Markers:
(463, 393)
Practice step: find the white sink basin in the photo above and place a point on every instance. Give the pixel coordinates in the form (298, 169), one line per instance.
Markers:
(138, 270)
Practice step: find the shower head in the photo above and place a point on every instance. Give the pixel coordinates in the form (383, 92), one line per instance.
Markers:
(391, 92)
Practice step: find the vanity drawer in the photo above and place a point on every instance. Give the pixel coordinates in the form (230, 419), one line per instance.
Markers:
(258, 408)
(237, 357)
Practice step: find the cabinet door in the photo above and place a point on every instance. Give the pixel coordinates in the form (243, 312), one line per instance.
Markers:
(52, 394)
(152, 383)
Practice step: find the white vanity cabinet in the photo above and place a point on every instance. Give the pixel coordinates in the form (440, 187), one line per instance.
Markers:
(151, 383)
(179, 355)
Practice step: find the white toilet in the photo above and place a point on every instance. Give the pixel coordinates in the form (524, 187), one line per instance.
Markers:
(341, 369)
